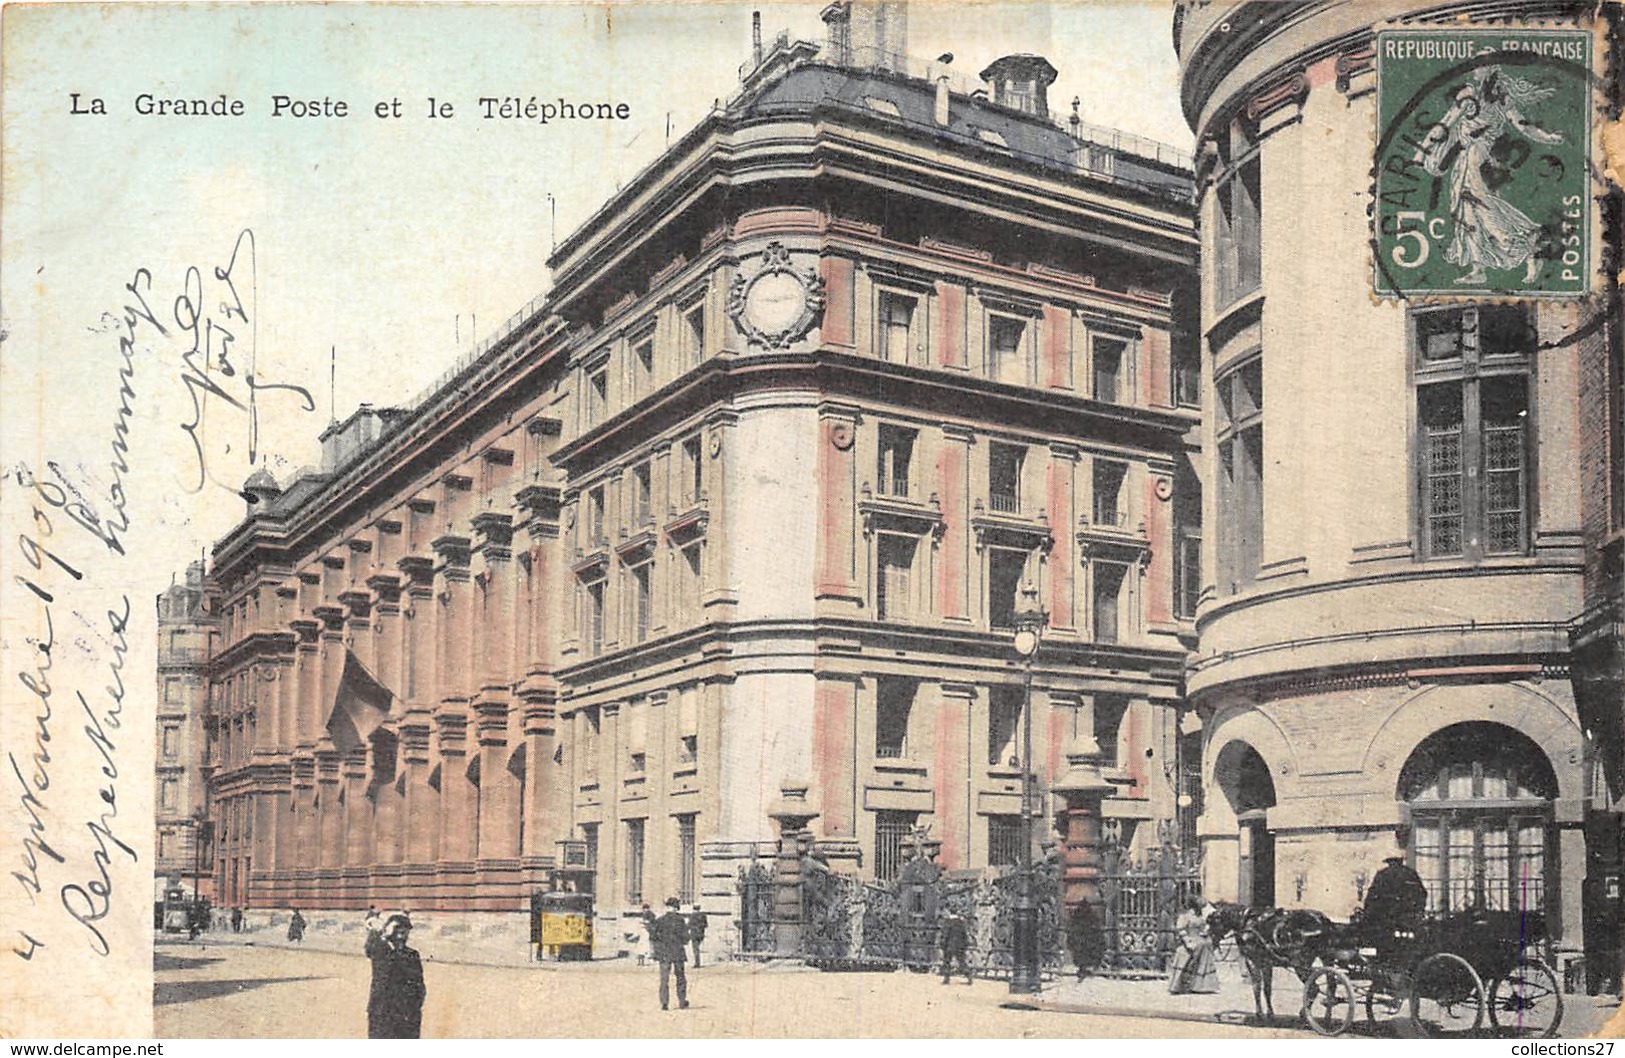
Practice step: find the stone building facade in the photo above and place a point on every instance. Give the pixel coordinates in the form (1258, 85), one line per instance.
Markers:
(1395, 546)
(862, 364)
(185, 628)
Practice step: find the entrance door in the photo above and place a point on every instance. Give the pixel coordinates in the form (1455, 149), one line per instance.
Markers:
(1256, 886)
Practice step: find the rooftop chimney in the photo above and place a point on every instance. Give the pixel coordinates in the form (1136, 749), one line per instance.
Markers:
(871, 33)
(1021, 82)
(756, 36)
(941, 111)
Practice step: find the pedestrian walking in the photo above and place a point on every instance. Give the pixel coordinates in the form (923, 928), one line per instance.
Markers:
(955, 939)
(696, 929)
(236, 920)
(670, 937)
(296, 927)
(1193, 968)
(395, 1004)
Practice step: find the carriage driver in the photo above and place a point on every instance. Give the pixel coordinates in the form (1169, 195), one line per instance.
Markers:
(1394, 903)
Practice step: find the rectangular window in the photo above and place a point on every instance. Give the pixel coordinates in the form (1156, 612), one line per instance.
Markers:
(1238, 238)
(641, 479)
(687, 860)
(1107, 597)
(891, 830)
(597, 395)
(1003, 724)
(895, 456)
(1241, 475)
(692, 470)
(1187, 378)
(1109, 710)
(163, 845)
(597, 531)
(694, 335)
(689, 566)
(1108, 493)
(894, 575)
(168, 793)
(589, 837)
(1004, 462)
(1187, 573)
(1003, 840)
(634, 861)
(1005, 359)
(1473, 444)
(595, 618)
(641, 600)
(643, 366)
(894, 702)
(1005, 570)
(895, 314)
(688, 749)
(1107, 362)
(172, 741)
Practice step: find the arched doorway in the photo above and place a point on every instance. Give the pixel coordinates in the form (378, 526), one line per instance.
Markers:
(1480, 799)
(1244, 778)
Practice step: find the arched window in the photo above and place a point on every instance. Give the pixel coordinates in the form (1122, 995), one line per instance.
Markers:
(1480, 797)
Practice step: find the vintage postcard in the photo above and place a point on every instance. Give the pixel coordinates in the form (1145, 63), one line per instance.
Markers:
(872, 518)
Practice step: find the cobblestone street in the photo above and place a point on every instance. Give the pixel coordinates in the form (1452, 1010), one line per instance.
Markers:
(234, 990)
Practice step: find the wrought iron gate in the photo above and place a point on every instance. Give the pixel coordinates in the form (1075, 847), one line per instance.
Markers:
(1141, 901)
(756, 909)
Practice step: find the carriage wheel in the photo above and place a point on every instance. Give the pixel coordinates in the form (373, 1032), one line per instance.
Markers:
(1381, 1006)
(1328, 1001)
(1527, 1001)
(1447, 997)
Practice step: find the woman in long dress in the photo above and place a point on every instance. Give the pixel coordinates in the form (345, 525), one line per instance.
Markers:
(1193, 968)
(1489, 231)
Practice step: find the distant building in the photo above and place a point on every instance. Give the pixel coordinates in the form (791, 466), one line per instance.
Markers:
(184, 630)
(1398, 533)
(865, 361)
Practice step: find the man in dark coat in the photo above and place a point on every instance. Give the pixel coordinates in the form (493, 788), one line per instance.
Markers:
(296, 927)
(696, 930)
(955, 939)
(395, 1006)
(669, 937)
(1394, 903)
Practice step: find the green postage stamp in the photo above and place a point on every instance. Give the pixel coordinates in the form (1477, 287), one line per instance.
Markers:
(1482, 165)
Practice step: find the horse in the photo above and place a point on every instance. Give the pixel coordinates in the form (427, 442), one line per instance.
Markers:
(1267, 937)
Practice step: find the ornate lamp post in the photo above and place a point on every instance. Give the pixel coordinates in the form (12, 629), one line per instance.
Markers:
(200, 819)
(1030, 620)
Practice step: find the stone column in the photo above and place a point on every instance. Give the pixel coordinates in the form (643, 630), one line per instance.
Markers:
(356, 821)
(790, 814)
(453, 681)
(1061, 504)
(1082, 789)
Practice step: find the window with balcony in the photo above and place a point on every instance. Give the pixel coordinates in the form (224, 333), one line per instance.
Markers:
(1003, 725)
(895, 320)
(1107, 360)
(1240, 435)
(1108, 509)
(1107, 595)
(1006, 349)
(691, 470)
(1473, 454)
(891, 832)
(1004, 463)
(634, 860)
(894, 576)
(895, 457)
(1238, 234)
(894, 703)
(1003, 840)
(1006, 567)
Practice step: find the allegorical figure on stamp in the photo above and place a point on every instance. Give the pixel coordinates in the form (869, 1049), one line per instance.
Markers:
(1490, 232)
(395, 1004)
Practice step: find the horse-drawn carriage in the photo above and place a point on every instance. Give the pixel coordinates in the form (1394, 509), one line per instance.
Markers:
(1448, 976)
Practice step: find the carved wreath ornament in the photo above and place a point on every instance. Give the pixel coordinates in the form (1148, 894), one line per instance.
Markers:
(778, 304)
